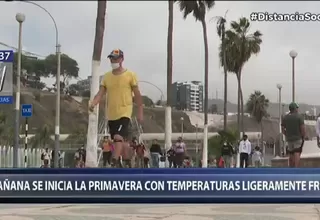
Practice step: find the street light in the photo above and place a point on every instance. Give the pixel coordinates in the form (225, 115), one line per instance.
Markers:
(57, 116)
(293, 54)
(279, 86)
(181, 119)
(20, 19)
(161, 92)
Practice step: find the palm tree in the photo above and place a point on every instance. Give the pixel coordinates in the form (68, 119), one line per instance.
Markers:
(91, 160)
(240, 46)
(199, 9)
(168, 116)
(221, 31)
(257, 106)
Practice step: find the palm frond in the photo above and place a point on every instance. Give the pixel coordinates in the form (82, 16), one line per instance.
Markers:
(197, 8)
(257, 106)
(240, 45)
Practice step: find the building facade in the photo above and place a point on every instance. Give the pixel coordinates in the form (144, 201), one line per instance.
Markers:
(188, 96)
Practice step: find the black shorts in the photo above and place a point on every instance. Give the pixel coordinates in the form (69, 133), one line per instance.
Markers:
(119, 127)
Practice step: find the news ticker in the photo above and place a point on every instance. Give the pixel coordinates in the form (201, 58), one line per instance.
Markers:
(6, 76)
(160, 185)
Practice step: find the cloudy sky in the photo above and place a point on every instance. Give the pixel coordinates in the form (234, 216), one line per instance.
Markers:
(140, 30)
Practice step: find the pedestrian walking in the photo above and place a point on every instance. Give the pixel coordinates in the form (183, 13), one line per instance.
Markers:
(294, 130)
(245, 151)
(107, 151)
(155, 153)
(119, 85)
(257, 157)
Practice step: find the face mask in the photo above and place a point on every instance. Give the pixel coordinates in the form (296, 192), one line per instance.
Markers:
(115, 65)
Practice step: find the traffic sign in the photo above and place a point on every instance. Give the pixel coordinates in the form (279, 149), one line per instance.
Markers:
(26, 110)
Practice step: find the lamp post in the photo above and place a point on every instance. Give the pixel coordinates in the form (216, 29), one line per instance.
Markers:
(181, 119)
(279, 86)
(197, 147)
(20, 19)
(293, 54)
(57, 116)
(161, 92)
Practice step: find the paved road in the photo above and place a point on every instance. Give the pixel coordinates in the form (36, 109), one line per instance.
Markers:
(160, 212)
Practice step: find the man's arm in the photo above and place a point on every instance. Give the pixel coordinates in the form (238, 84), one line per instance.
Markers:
(302, 127)
(137, 95)
(249, 147)
(283, 127)
(318, 130)
(99, 95)
(318, 127)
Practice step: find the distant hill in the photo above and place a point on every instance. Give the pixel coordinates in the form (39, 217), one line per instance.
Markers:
(273, 109)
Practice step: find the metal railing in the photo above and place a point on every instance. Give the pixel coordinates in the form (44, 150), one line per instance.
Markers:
(102, 129)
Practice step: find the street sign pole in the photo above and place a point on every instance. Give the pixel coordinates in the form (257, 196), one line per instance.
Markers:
(26, 112)
(26, 145)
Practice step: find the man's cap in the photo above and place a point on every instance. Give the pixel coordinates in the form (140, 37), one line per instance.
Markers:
(293, 106)
(116, 54)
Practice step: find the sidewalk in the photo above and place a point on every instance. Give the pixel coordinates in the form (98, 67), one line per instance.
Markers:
(160, 212)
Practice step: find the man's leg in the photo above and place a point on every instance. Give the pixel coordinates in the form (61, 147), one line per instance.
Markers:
(157, 160)
(104, 157)
(118, 144)
(119, 131)
(291, 160)
(241, 160)
(291, 154)
(297, 153)
(246, 160)
(228, 161)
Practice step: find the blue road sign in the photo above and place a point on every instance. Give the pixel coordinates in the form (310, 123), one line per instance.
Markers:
(26, 110)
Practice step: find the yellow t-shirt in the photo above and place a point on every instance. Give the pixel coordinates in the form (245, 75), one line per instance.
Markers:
(119, 94)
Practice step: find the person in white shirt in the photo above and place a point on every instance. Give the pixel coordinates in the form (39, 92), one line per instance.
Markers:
(257, 157)
(45, 157)
(245, 151)
(318, 130)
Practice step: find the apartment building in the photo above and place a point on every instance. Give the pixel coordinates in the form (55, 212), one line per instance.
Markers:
(188, 96)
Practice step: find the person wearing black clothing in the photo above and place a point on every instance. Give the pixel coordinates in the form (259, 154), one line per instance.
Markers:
(155, 153)
(226, 153)
(171, 158)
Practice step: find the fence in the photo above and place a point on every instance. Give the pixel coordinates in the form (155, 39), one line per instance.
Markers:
(6, 157)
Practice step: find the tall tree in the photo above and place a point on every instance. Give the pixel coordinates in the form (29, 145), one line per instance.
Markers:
(69, 67)
(168, 116)
(221, 31)
(240, 46)
(91, 160)
(199, 10)
(257, 105)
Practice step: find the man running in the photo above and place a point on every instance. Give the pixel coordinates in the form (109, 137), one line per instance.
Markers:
(294, 130)
(119, 84)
